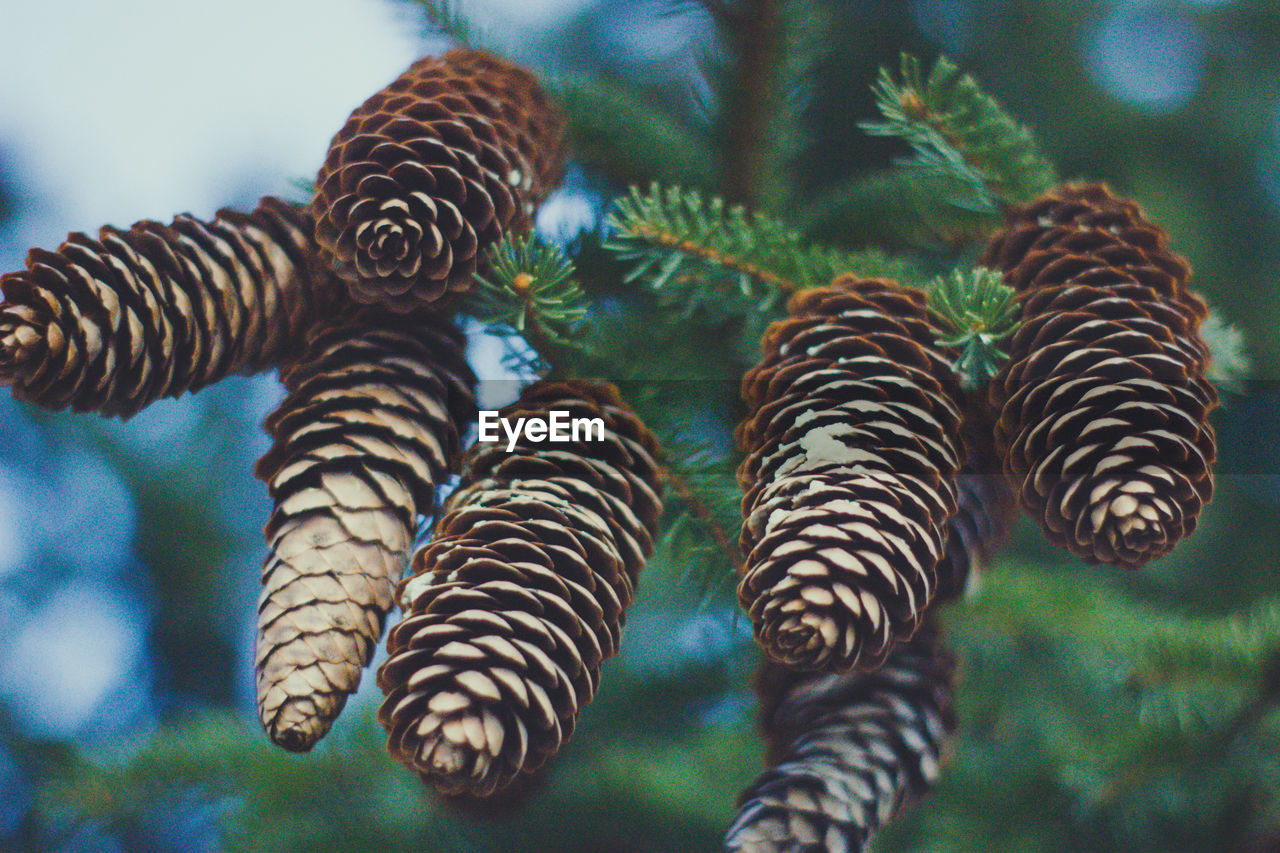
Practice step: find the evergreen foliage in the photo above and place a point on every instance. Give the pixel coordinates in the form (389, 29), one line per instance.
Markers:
(1095, 711)
(957, 130)
(978, 311)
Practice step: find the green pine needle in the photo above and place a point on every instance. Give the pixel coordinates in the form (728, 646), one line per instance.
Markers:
(447, 18)
(704, 254)
(1229, 363)
(529, 290)
(957, 129)
(976, 311)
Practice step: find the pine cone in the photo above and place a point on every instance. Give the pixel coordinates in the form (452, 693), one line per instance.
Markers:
(1104, 405)
(113, 324)
(986, 506)
(521, 595)
(371, 424)
(849, 476)
(846, 750)
(426, 174)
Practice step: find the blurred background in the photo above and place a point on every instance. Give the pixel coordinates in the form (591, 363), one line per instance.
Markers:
(130, 552)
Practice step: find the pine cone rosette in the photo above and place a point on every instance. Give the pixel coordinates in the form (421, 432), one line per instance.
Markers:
(849, 476)
(370, 426)
(1104, 405)
(113, 324)
(425, 175)
(521, 595)
(846, 750)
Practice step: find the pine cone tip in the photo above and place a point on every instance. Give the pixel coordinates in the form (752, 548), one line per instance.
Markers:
(295, 718)
(20, 339)
(457, 745)
(1128, 524)
(296, 729)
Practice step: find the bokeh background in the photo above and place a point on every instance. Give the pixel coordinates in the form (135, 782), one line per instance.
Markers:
(129, 552)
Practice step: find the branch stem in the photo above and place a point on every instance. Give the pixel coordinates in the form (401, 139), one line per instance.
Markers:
(698, 508)
(756, 38)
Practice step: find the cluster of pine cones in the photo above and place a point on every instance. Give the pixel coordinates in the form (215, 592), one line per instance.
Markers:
(873, 487)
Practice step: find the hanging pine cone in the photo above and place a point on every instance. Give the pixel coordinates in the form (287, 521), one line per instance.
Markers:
(846, 750)
(521, 595)
(849, 475)
(1104, 405)
(371, 424)
(986, 506)
(113, 324)
(426, 174)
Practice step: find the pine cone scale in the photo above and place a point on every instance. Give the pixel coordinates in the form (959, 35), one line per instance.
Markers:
(846, 751)
(519, 598)
(849, 475)
(431, 171)
(372, 421)
(112, 324)
(1104, 403)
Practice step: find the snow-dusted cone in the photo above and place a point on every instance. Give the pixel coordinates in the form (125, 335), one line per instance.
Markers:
(986, 507)
(521, 594)
(847, 750)
(371, 424)
(849, 476)
(1105, 403)
(113, 324)
(428, 173)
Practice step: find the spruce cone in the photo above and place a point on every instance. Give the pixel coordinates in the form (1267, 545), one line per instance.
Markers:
(986, 507)
(371, 424)
(849, 476)
(426, 174)
(1104, 404)
(846, 750)
(113, 324)
(521, 595)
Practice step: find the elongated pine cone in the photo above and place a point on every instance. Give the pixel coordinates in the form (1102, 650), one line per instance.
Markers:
(370, 426)
(1105, 403)
(425, 175)
(113, 324)
(849, 477)
(986, 506)
(847, 751)
(521, 594)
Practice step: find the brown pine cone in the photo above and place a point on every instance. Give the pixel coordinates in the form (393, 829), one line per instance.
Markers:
(986, 506)
(456, 152)
(1104, 405)
(846, 750)
(521, 595)
(113, 324)
(370, 426)
(849, 476)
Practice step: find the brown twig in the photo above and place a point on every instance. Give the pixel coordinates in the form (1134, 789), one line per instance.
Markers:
(755, 34)
(669, 240)
(700, 511)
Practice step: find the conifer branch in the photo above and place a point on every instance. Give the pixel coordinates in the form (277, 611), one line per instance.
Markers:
(1229, 363)
(898, 207)
(754, 30)
(629, 137)
(529, 290)
(447, 18)
(977, 310)
(957, 129)
(699, 510)
(696, 251)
